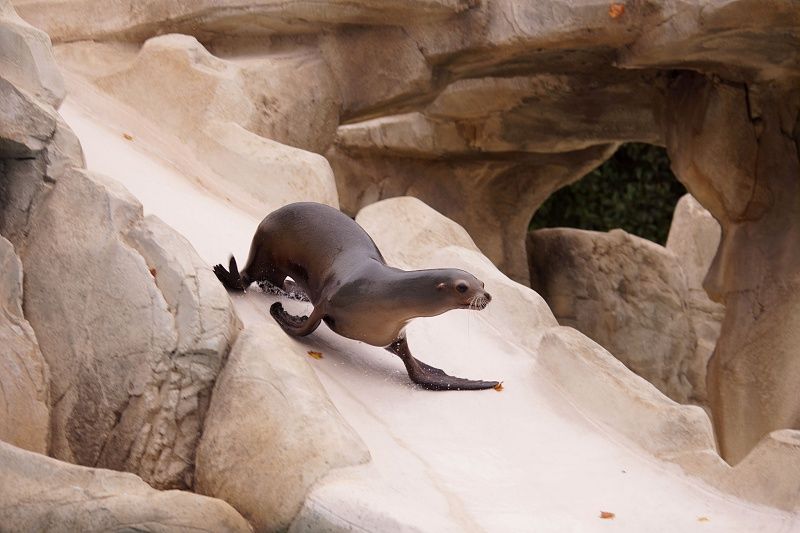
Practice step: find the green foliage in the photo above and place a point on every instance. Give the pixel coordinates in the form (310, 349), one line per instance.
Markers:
(634, 190)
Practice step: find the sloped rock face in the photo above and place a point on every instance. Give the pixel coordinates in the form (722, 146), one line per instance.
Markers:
(220, 109)
(26, 59)
(42, 494)
(271, 432)
(24, 377)
(87, 285)
(627, 294)
(133, 326)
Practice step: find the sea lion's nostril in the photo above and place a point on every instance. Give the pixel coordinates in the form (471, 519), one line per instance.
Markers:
(487, 296)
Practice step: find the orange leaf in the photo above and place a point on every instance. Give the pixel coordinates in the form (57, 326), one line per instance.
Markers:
(616, 10)
(605, 515)
(315, 355)
(499, 387)
(127, 136)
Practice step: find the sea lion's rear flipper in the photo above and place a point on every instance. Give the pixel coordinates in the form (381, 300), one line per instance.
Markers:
(433, 378)
(232, 280)
(297, 326)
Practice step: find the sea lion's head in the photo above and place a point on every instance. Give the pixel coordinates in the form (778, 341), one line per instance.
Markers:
(463, 290)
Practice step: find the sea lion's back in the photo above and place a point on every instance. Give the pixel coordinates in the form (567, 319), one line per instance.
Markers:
(309, 230)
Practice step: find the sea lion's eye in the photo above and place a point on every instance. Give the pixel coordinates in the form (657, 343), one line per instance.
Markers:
(462, 287)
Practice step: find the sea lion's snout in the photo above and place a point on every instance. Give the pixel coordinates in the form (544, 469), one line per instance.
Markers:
(483, 300)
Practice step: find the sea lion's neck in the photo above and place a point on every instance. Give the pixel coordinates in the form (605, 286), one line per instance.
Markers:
(413, 293)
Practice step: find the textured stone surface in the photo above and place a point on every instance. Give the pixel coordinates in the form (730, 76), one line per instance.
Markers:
(271, 431)
(99, 20)
(25, 125)
(375, 67)
(296, 97)
(43, 494)
(748, 180)
(694, 238)
(26, 58)
(627, 294)
(770, 473)
(24, 378)
(87, 285)
(132, 324)
(272, 173)
(742, 40)
(630, 404)
(221, 121)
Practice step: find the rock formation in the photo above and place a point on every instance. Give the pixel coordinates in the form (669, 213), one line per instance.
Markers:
(694, 238)
(271, 432)
(223, 122)
(481, 110)
(627, 294)
(24, 379)
(42, 494)
(642, 302)
(748, 180)
(105, 289)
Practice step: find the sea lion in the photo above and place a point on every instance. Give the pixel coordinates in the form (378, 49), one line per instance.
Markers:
(339, 267)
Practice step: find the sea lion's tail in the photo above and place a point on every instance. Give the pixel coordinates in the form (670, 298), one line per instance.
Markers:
(231, 279)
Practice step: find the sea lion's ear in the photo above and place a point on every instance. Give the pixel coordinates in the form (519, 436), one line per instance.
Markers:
(441, 286)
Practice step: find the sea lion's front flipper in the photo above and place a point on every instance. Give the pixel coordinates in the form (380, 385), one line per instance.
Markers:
(430, 377)
(297, 326)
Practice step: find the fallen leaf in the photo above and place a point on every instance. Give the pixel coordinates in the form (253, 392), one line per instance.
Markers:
(153, 272)
(499, 387)
(315, 355)
(605, 515)
(616, 10)
(703, 519)
(127, 136)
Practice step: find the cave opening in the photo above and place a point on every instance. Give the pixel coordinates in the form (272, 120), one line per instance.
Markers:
(634, 190)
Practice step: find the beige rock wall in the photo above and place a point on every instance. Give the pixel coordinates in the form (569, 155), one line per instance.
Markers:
(694, 238)
(220, 109)
(26, 59)
(748, 180)
(43, 494)
(146, 332)
(629, 295)
(24, 376)
(642, 302)
(132, 324)
(99, 20)
(272, 432)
